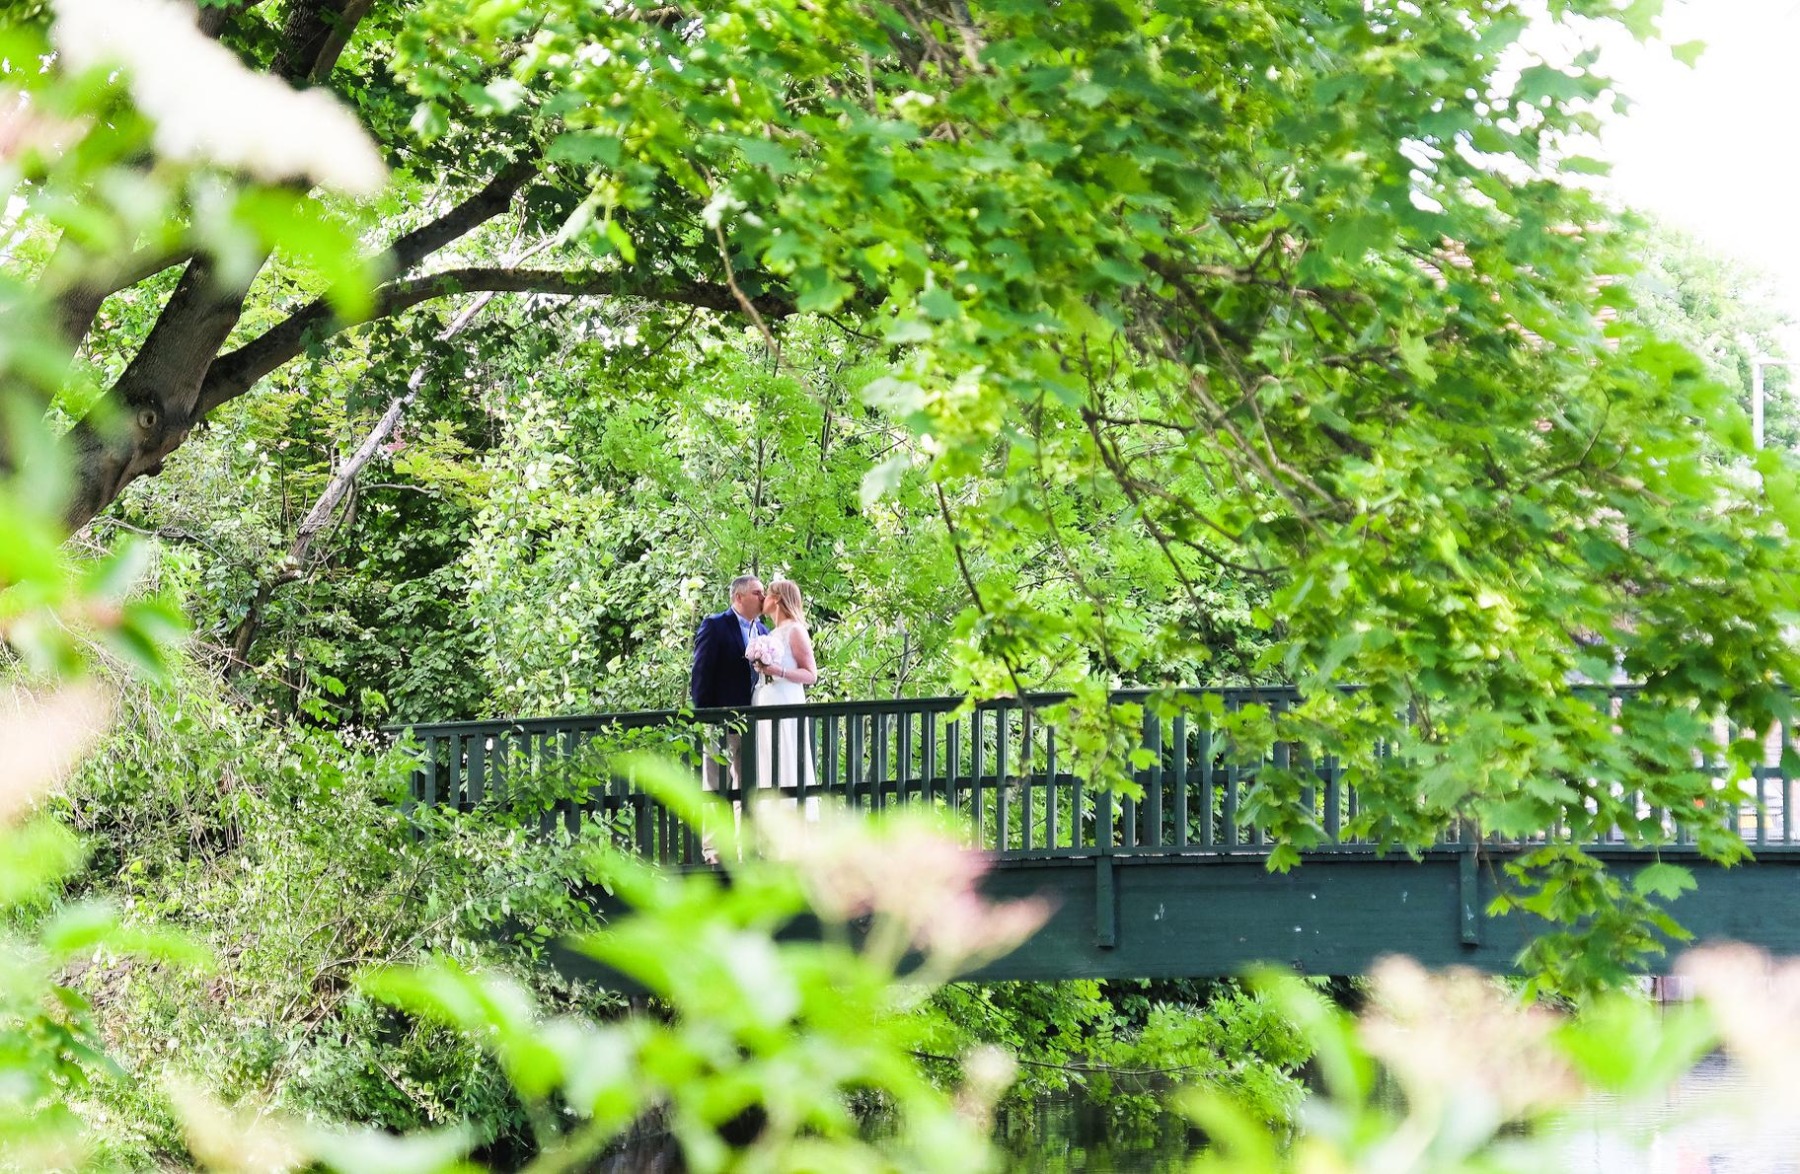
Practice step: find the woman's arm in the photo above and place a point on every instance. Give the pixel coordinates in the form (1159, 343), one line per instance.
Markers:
(806, 669)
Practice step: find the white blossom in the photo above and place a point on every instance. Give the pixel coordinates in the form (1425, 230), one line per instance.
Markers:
(207, 107)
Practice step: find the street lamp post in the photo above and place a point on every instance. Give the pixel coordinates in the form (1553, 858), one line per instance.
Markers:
(1756, 391)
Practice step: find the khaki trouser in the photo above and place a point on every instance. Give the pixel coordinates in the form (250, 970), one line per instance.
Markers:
(714, 774)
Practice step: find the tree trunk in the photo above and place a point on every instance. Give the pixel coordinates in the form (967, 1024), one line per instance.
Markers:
(154, 405)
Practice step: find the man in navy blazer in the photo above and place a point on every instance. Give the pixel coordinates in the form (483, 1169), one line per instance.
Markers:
(721, 676)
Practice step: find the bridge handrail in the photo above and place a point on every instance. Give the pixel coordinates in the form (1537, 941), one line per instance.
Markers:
(650, 717)
(995, 761)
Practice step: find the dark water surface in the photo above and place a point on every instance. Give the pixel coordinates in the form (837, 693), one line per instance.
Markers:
(1066, 1135)
(1058, 1135)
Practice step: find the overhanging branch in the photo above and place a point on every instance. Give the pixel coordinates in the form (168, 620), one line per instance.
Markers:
(478, 209)
(78, 304)
(235, 373)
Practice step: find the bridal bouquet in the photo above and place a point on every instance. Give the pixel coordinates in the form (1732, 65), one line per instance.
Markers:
(762, 650)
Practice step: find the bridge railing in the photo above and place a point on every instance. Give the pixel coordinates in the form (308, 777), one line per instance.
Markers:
(999, 765)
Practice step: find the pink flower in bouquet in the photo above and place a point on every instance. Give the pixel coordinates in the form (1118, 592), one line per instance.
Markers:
(762, 650)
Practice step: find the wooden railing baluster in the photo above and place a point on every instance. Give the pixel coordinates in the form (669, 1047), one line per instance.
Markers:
(1206, 787)
(975, 770)
(903, 768)
(1228, 824)
(1153, 781)
(1001, 789)
(1179, 738)
(1026, 757)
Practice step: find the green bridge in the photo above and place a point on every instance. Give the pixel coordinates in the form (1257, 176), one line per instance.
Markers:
(1174, 884)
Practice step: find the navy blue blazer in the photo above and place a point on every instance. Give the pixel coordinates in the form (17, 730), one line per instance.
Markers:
(721, 676)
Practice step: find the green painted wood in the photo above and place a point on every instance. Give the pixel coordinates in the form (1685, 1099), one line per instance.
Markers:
(1189, 892)
(1215, 916)
(1078, 837)
(903, 758)
(476, 782)
(1001, 790)
(1229, 823)
(1200, 916)
(952, 765)
(750, 759)
(434, 752)
(1787, 791)
(1179, 737)
(853, 786)
(1469, 896)
(976, 747)
(928, 755)
(1153, 782)
(1106, 904)
(1028, 776)
(1334, 800)
(878, 768)
(1207, 799)
(564, 751)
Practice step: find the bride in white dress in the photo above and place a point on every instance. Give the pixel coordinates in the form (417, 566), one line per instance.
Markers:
(783, 681)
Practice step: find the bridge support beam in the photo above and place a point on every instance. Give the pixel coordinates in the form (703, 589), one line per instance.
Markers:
(1106, 904)
(1197, 916)
(1468, 892)
(1192, 916)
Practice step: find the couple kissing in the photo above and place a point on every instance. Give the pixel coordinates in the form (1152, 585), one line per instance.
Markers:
(740, 661)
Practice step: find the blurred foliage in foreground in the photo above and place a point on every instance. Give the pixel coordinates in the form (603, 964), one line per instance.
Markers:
(1449, 1072)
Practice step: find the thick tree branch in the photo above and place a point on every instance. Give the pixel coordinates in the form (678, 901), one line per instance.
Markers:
(154, 403)
(174, 379)
(312, 36)
(234, 374)
(476, 210)
(157, 399)
(79, 303)
(213, 18)
(339, 37)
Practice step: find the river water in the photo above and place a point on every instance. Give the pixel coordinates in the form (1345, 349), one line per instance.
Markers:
(1065, 1135)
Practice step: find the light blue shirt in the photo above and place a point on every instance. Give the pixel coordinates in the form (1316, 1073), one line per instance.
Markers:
(745, 628)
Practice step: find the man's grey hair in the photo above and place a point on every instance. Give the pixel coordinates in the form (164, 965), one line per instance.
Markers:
(741, 582)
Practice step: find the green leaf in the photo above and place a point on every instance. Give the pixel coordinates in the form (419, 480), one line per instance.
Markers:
(883, 479)
(585, 148)
(1664, 880)
(1415, 353)
(1688, 52)
(621, 240)
(939, 304)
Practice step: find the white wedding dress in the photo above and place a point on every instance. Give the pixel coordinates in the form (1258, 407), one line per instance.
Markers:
(782, 740)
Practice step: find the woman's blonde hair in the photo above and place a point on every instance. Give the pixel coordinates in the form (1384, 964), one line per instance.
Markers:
(788, 594)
